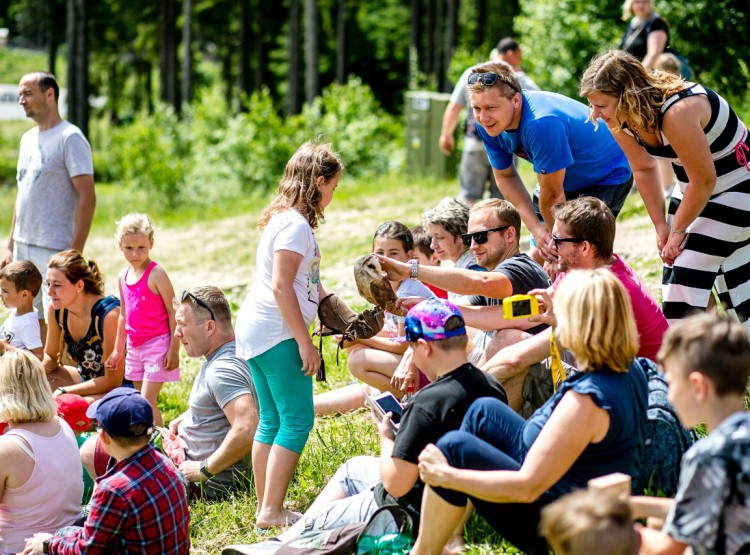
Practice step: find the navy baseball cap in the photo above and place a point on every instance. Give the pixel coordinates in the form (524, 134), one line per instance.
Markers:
(120, 409)
(427, 321)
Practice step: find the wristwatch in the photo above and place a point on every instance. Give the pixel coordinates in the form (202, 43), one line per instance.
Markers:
(45, 546)
(205, 471)
(61, 390)
(414, 268)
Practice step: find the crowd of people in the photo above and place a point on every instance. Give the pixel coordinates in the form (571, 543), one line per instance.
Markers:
(505, 416)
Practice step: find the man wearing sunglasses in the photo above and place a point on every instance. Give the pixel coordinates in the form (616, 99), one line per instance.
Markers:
(475, 170)
(584, 233)
(493, 236)
(570, 156)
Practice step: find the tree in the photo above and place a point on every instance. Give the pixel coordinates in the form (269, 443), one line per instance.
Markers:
(78, 65)
(341, 42)
(312, 85)
(168, 54)
(187, 51)
(293, 97)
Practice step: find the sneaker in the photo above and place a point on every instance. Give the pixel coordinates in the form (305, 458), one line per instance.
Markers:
(267, 547)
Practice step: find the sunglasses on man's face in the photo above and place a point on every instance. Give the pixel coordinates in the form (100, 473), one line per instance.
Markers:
(480, 237)
(557, 240)
(186, 294)
(489, 79)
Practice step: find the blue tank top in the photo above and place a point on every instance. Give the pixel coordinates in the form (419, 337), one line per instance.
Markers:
(624, 395)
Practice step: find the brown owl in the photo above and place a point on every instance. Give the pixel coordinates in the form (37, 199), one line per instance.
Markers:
(373, 286)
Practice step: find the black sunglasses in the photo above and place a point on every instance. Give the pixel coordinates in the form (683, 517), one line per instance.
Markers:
(480, 237)
(489, 79)
(557, 240)
(186, 294)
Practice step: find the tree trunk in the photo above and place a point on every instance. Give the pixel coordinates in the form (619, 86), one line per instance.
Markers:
(429, 57)
(187, 51)
(479, 36)
(168, 54)
(341, 42)
(245, 36)
(78, 65)
(293, 96)
(311, 50)
(437, 42)
(51, 53)
(451, 26)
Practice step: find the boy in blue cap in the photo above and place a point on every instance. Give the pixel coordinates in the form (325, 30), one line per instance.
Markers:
(140, 504)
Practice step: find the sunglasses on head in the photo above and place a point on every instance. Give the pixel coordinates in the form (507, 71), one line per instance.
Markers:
(480, 237)
(489, 79)
(557, 240)
(200, 303)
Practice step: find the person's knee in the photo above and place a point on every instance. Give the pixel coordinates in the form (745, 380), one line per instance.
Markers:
(293, 432)
(88, 455)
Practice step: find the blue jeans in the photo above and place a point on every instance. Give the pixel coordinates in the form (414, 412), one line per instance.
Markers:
(490, 438)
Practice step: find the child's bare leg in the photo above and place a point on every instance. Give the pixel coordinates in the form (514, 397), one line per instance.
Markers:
(150, 390)
(338, 401)
(375, 368)
(456, 543)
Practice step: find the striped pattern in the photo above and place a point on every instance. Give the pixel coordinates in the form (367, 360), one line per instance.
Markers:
(717, 250)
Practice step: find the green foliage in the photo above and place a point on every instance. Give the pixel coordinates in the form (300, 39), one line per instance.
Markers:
(207, 157)
(560, 37)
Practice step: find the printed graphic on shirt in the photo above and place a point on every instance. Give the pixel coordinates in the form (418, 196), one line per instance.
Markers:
(313, 276)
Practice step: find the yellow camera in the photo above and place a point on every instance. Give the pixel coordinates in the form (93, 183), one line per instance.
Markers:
(520, 306)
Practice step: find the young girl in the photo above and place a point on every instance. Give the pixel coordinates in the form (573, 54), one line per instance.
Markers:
(146, 321)
(374, 360)
(424, 252)
(273, 324)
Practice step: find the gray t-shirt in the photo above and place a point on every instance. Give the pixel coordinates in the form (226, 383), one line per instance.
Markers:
(222, 378)
(47, 201)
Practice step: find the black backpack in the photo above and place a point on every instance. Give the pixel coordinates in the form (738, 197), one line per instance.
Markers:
(389, 524)
(666, 438)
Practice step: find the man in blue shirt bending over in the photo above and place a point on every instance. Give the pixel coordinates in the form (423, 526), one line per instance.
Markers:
(569, 155)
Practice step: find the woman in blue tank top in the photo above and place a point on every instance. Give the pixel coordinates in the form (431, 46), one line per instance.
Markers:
(593, 425)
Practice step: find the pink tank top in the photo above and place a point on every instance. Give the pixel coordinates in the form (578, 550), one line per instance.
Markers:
(51, 497)
(145, 314)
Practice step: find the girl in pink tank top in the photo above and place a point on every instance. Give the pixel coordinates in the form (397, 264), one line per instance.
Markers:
(146, 328)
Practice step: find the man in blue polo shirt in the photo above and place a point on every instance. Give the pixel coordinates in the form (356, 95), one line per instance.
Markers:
(570, 156)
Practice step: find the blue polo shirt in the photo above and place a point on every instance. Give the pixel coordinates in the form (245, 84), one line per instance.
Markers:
(554, 133)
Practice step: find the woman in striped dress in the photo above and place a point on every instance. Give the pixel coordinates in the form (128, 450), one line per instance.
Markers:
(705, 239)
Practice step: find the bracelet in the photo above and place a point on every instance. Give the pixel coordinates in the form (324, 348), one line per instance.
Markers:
(62, 390)
(414, 268)
(205, 471)
(678, 232)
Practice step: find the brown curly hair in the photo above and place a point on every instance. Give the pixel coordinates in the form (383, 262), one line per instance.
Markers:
(298, 187)
(640, 92)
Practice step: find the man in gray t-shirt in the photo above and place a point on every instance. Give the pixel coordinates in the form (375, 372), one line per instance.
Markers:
(217, 429)
(55, 175)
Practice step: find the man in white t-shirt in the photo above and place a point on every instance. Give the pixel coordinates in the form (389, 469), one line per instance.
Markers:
(56, 197)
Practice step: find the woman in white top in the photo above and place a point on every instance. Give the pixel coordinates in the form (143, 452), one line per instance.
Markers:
(40, 475)
(273, 324)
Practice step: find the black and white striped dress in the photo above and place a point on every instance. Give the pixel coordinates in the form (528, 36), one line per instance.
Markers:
(717, 249)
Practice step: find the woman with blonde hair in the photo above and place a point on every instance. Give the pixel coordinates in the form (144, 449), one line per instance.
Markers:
(647, 34)
(40, 474)
(703, 241)
(273, 323)
(510, 468)
(83, 321)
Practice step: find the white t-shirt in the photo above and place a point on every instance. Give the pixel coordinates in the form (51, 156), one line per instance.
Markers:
(46, 203)
(407, 288)
(22, 332)
(259, 323)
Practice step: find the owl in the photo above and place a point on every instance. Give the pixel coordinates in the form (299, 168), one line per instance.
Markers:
(373, 286)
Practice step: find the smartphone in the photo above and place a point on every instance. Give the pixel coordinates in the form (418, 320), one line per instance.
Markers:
(386, 402)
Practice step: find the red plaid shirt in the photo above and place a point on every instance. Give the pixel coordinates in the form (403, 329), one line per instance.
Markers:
(139, 507)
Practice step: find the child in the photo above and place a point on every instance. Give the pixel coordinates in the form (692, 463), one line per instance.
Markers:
(374, 360)
(589, 523)
(273, 323)
(146, 321)
(20, 281)
(706, 360)
(140, 505)
(426, 255)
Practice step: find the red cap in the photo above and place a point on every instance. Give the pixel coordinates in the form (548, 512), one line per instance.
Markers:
(72, 408)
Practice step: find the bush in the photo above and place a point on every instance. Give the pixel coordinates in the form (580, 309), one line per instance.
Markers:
(206, 156)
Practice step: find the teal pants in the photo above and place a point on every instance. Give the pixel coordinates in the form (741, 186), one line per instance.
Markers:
(285, 396)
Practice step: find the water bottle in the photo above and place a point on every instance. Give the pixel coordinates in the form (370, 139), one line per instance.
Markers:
(367, 545)
(394, 544)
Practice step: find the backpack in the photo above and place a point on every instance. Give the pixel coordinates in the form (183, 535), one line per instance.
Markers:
(389, 530)
(666, 438)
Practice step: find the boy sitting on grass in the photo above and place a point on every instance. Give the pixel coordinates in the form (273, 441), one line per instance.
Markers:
(20, 282)
(706, 359)
(140, 504)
